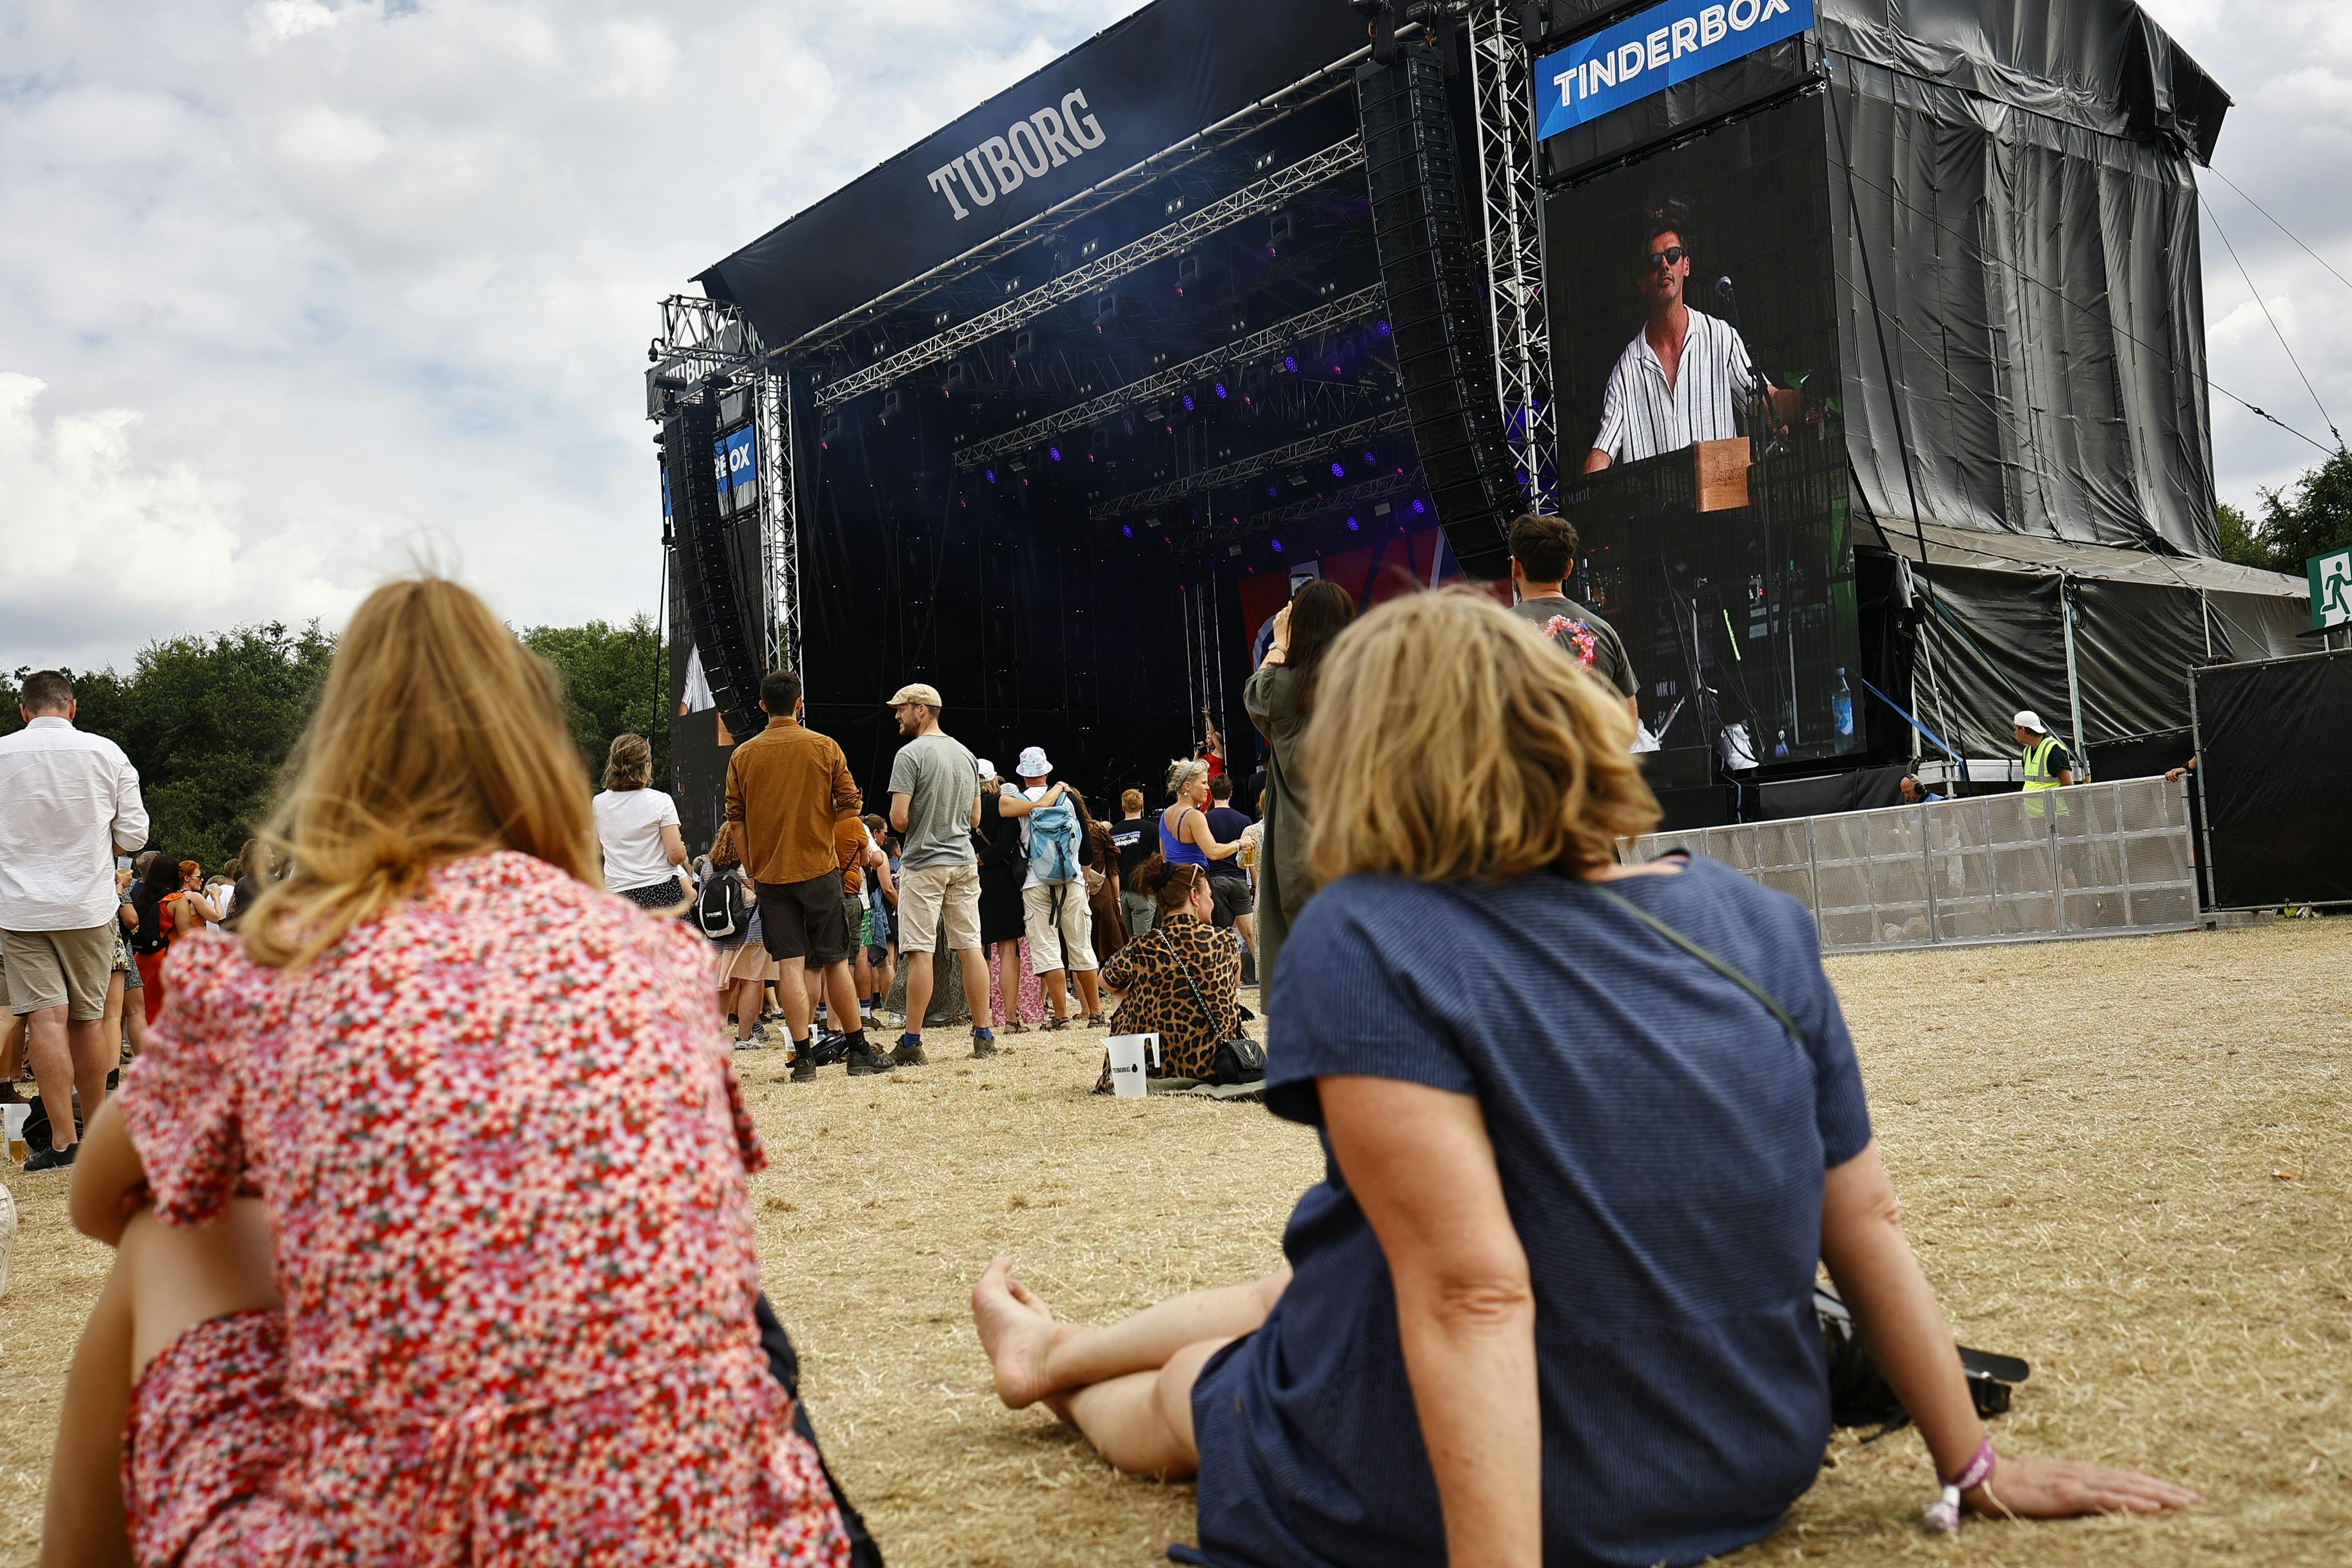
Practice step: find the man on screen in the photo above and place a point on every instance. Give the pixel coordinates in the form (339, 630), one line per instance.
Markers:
(1686, 376)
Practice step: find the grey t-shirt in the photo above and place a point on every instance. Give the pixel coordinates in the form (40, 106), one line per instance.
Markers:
(940, 781)
(1584, 636)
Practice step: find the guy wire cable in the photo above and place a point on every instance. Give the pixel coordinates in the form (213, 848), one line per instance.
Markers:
(2264, 304)
(2171, 361)
(2280, 226)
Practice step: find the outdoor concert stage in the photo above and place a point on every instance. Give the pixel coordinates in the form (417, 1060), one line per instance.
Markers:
(1053, 409)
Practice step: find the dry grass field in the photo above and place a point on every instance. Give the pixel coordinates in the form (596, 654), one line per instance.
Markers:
(2125, 1160)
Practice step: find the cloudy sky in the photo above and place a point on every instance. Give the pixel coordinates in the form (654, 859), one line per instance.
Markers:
(296, 291)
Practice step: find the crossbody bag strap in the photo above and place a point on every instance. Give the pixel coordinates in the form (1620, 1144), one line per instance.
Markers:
(1720, 965)
(1185, 969)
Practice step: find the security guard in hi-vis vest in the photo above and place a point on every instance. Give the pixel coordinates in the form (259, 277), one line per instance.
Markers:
(2048, 763)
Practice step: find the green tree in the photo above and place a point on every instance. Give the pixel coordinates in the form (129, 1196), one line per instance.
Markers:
(2311, 516)
(614, 684)
(2241, 541)
(208, 723)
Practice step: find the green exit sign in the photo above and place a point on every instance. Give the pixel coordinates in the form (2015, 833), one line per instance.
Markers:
(2331, 588)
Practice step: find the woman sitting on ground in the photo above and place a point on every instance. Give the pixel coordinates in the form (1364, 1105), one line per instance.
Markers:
(1554, 1302)
(1181, 982)
(501, 1168)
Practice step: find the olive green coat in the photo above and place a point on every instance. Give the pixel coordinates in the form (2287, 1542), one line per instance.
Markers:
(1284, 881)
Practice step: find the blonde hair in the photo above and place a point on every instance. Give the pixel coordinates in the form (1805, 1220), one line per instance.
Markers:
(630, 763)
(1454, 743)
(1180, 772)
(439, 736)
(722, 846)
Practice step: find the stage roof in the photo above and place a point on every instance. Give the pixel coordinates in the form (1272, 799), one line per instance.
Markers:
(1129, 93)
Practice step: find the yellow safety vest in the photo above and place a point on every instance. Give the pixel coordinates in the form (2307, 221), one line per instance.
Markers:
(2037, 764)
(2039, 774)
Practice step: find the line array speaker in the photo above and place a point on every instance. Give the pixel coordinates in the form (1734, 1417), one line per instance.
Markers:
(705, 568)
(1422, 220)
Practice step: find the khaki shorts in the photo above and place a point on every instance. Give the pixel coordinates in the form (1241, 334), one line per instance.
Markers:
(1072, 946)
(930, 897)
(68, 969)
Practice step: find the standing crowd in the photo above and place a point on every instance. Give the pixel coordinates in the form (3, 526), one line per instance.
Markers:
(428, 1189)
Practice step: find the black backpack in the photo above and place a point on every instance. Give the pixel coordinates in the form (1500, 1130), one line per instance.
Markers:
(719, 909)
(148, 939)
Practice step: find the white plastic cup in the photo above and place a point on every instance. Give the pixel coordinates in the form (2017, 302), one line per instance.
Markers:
(1126, 1063)
(14, 1116)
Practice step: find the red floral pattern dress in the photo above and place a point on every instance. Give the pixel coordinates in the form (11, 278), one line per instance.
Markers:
(505, 1160)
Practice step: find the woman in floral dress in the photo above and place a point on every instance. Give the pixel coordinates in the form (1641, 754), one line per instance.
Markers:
(430, 1191)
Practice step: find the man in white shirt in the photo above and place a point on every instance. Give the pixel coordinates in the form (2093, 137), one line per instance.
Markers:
(1686, 376)
(1060, 925)
(68, 803)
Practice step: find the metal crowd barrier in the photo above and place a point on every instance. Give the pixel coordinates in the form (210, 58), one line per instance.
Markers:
(2097, 860)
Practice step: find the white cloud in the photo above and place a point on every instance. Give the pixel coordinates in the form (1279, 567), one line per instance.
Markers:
(304, 279)
(2288, 65)
(294, 288)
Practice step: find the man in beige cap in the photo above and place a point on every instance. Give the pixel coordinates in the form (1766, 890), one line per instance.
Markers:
(935, 805)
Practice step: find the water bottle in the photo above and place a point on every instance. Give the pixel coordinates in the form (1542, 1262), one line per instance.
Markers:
(1841, 707)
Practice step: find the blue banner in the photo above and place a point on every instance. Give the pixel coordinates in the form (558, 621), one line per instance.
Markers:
(1651, 52)
(737, 460)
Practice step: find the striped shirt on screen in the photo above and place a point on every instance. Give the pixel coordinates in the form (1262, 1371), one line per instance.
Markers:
(1642, 417)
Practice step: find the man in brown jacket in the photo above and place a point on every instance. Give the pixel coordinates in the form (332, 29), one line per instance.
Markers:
(785, 788)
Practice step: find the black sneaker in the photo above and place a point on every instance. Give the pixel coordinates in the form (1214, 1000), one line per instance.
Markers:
(865, 1061)
(804, 1068)
(52, 1160)
(984, 1042)
(909, 1053)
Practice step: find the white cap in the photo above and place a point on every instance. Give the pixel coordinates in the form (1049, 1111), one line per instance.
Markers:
(986, 768)
(2027, 718)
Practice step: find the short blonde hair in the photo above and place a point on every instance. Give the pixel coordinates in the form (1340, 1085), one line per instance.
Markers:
(439, 736)
(1453, 743)
(1180, 772)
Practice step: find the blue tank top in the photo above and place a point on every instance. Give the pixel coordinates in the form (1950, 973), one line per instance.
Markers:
(1176, 851)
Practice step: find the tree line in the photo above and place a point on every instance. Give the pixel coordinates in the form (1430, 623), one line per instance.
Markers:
(210, 722)
(2311, 516)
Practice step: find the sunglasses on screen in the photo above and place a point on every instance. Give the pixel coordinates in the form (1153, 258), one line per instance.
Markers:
(1669, 256)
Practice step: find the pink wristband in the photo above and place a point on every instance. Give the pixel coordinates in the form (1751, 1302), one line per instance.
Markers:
(1943, 1515)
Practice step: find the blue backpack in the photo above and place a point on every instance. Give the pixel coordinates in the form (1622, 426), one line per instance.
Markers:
(1053, 843)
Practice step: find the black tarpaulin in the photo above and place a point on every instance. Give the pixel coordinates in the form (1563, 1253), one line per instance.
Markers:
(2274, 768)
(1993, 629)
(1141, 86)
(2019, 274)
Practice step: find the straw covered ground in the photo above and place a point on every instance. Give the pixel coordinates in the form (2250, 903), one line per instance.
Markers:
(2126, 1161)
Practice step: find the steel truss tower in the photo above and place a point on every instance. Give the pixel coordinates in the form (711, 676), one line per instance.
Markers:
(710, 349)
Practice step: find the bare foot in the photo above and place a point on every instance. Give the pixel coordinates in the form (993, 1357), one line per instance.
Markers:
(1016, 1332)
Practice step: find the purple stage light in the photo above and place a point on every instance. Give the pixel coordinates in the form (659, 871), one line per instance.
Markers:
(991, 475)
(1277, 547)
(1127, 530)
(1371, 457)
(1383, 329)
(1220, 390)
(1418, 509)
(1338, 471)
(1353, 525)
(1289, 363)
(1055, 453)
(1189, 405)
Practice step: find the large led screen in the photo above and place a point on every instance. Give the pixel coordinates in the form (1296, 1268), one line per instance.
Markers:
(1694, 365)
